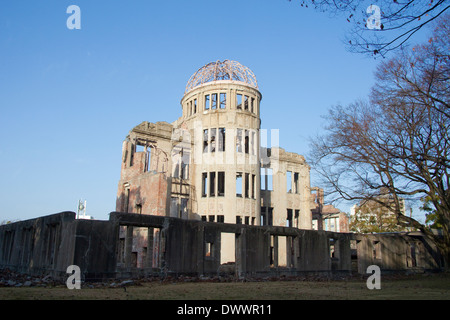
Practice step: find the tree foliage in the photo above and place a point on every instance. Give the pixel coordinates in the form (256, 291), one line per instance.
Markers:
(399, 21)
(399, 139)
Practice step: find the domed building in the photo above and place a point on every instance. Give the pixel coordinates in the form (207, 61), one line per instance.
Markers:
(209, 164)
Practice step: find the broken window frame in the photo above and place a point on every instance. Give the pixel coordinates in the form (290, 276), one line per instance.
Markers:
(212, 139)
(246, 102)
(213, 101)
(222, 100)
(207, 101)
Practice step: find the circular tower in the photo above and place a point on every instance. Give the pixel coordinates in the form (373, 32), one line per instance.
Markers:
(221, 115)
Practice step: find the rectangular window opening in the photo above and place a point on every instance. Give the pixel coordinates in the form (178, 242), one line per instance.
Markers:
(253, 143)
(289, 181)
(270, 179)
(270, 216)
(212, 184)
(263, 178)
(205, 140)
(238, 140)
(239, 101)
(204, 183)
(208, 249)
(221, 184)
(289, 218)
(148, 159)
(247, 185)
(223, 101)
(332, 247)
(207, 102)
(214, 101)
(140, 148)
(376, 250)
(221, 139)
(253, 185)
(296, 218)
(213, 139)
(238, 184)
(246, 142)
(296, 182)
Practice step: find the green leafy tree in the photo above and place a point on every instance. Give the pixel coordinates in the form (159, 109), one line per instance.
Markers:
(432, 219)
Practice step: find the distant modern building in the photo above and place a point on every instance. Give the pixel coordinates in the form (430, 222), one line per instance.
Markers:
(379, 211)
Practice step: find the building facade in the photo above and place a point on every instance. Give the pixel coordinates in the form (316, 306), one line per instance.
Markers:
(209, 164)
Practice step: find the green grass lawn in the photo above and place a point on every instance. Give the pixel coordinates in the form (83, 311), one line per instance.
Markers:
(423, 287)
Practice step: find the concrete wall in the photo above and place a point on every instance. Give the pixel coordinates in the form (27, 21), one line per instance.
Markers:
(48, 245)
(107, 249)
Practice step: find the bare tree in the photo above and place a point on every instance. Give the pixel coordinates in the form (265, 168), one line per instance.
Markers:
(399, 140)
(380, 26)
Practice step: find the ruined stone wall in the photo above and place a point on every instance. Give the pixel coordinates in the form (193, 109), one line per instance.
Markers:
(145, 183)
(48, 245)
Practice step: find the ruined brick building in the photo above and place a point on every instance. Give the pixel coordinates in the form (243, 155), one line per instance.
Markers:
(209, 164)
(206, 195)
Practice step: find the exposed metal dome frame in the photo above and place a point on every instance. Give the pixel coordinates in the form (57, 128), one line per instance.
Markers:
(222, 70)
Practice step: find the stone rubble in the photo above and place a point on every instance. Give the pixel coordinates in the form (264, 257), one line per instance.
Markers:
(10, 278)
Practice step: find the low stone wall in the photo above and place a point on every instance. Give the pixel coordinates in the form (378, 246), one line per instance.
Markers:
(131, 245)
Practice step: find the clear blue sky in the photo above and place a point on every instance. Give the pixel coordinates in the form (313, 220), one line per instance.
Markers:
(68, 97)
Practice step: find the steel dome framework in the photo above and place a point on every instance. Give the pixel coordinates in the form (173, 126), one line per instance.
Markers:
(222, 70)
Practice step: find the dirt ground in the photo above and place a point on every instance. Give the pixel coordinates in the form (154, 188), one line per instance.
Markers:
(415, 287)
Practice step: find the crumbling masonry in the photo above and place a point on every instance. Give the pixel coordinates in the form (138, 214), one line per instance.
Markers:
(174, 246)
(207, 194)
